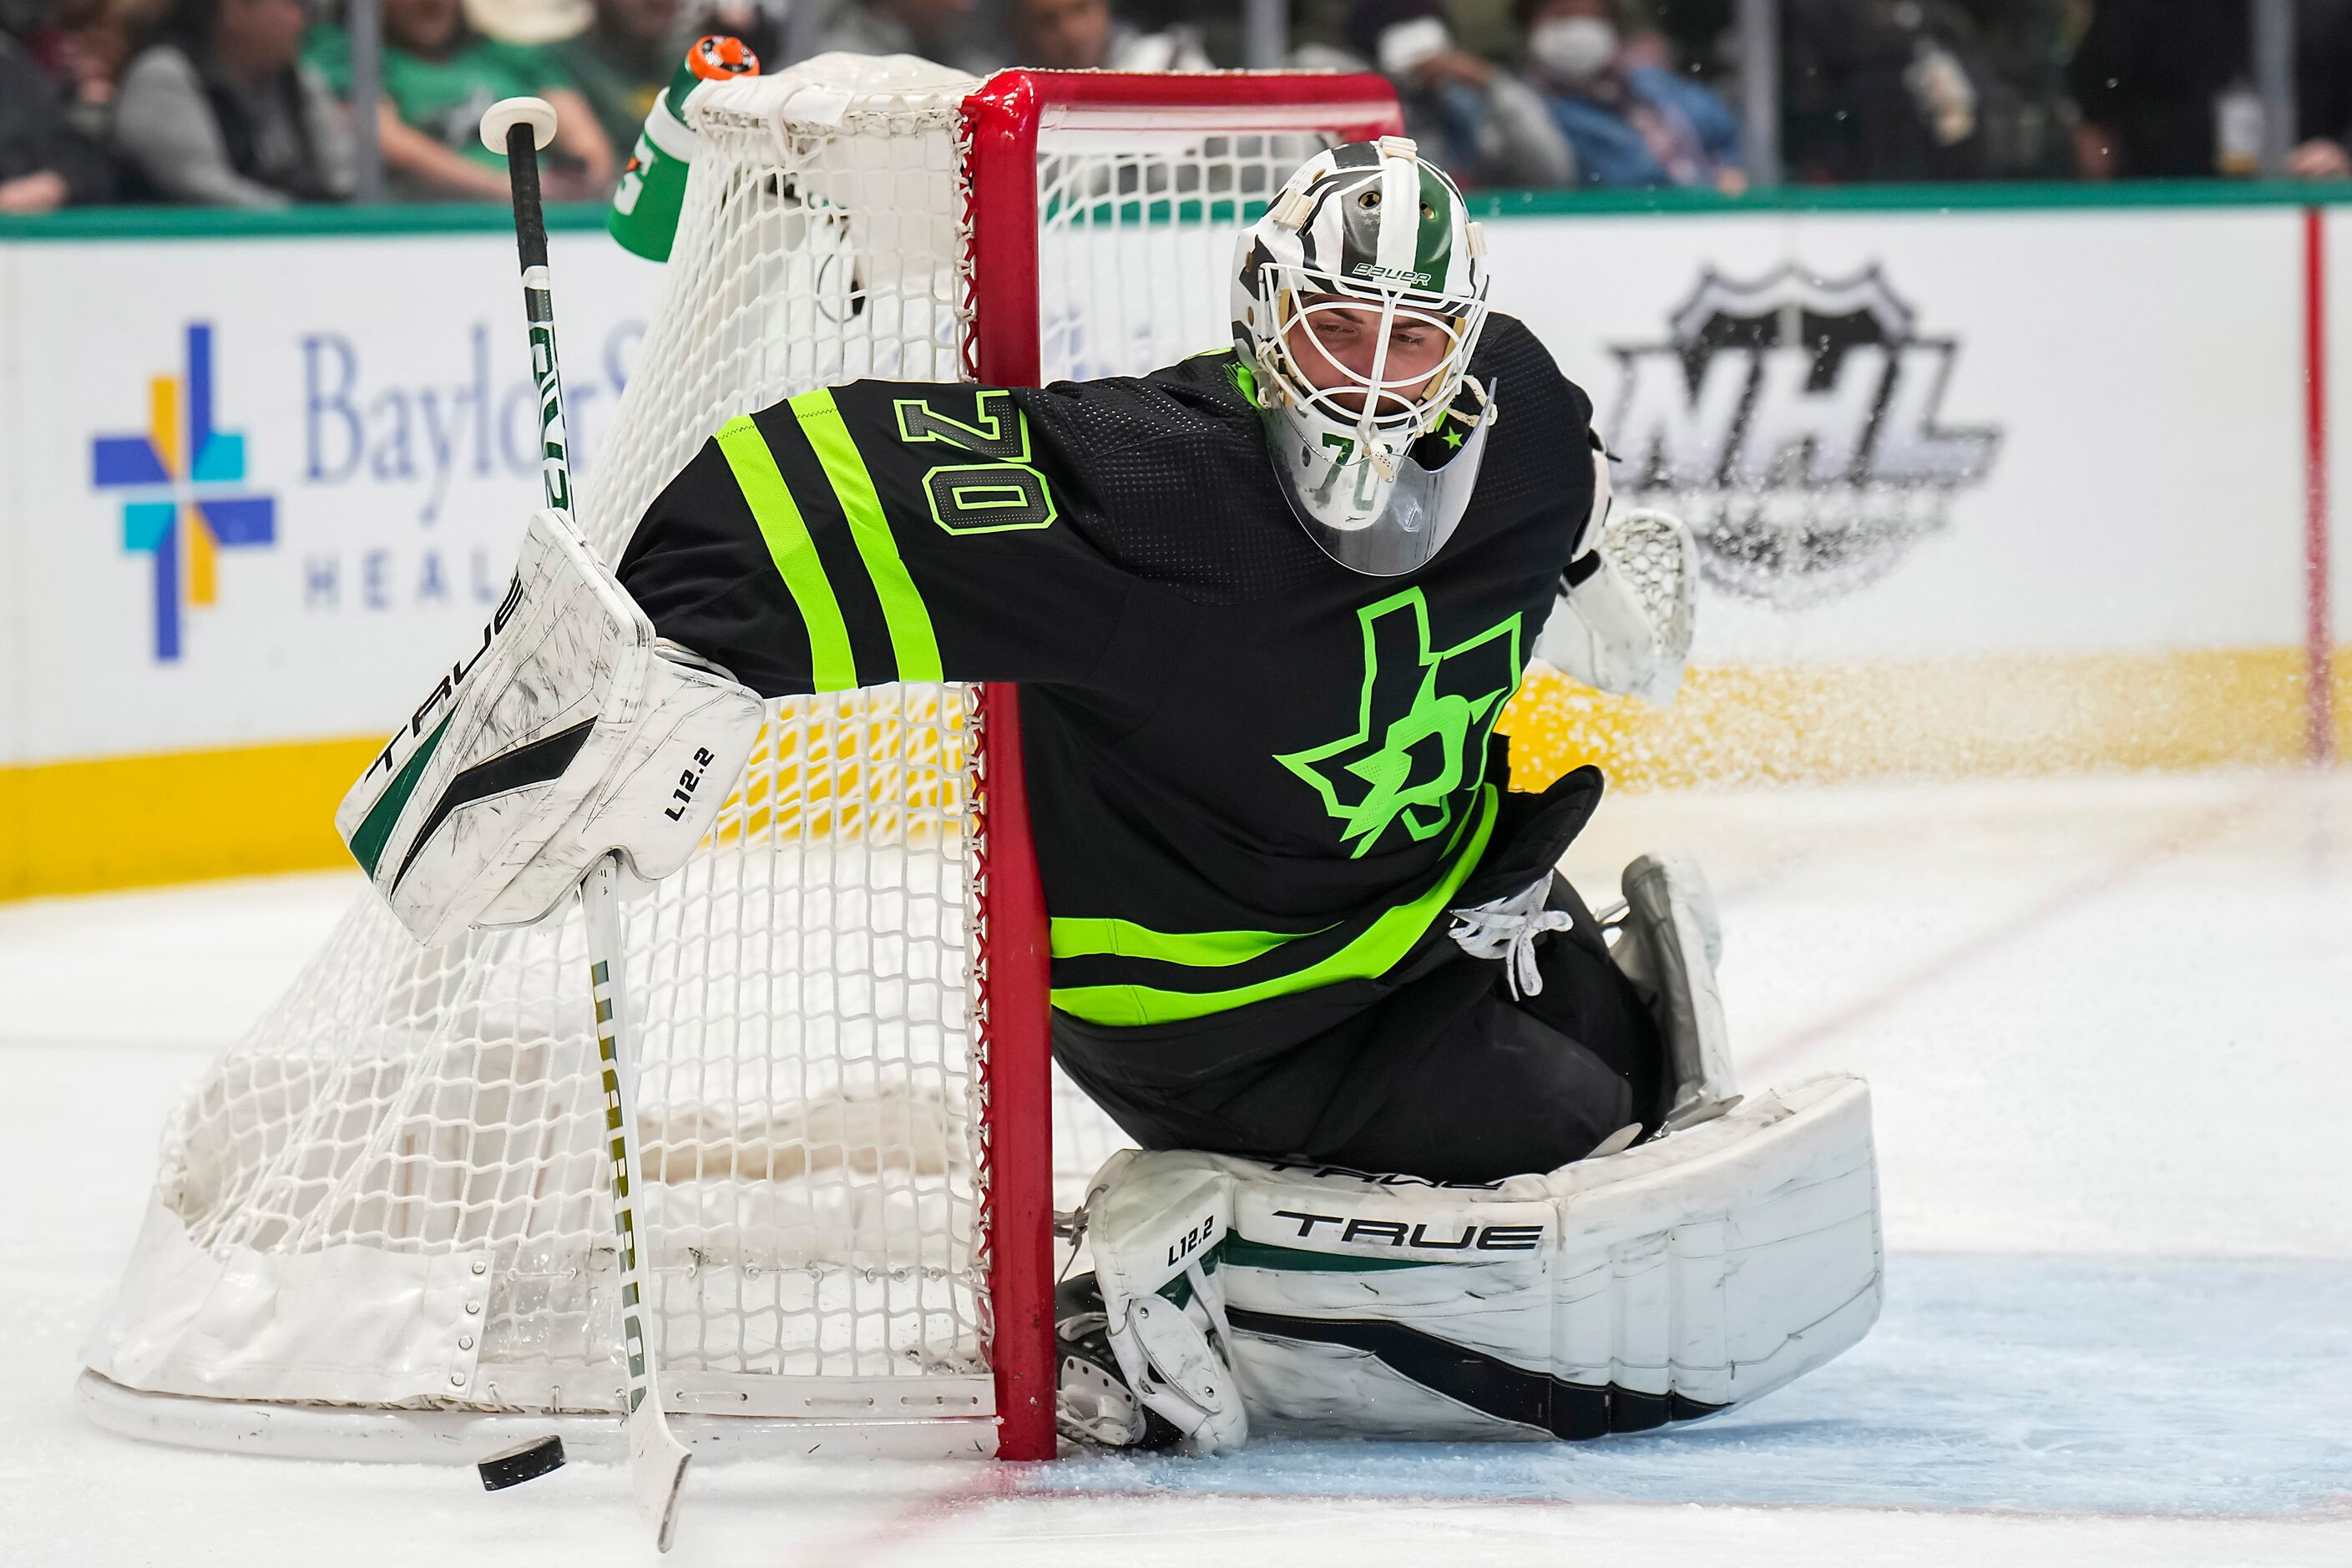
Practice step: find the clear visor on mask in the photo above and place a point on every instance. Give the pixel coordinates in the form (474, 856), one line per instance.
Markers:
(1383, 507)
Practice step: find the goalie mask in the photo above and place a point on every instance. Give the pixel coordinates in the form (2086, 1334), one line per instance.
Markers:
(1357, 303)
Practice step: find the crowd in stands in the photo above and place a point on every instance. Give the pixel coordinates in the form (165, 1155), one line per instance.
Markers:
(246, 102)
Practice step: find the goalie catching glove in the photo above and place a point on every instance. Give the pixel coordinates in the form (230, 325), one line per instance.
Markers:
(1628, 605)
(569, 734)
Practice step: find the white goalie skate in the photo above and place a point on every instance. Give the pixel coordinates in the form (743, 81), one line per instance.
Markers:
(1144, 1342)
(1668, 940)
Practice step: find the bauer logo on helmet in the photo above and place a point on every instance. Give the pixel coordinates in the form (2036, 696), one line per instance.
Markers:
(1391, 274)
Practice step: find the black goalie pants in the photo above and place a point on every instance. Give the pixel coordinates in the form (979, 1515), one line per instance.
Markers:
(1435, 1070)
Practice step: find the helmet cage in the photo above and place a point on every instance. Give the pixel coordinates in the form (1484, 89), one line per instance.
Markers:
(1395, 410)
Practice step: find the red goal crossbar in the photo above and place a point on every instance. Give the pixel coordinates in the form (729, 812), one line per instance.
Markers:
(1005, 120)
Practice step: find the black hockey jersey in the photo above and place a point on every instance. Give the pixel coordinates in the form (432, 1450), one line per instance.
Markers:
(1257, 778)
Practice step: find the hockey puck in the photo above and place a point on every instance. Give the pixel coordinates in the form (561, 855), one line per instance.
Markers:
(527, 1462)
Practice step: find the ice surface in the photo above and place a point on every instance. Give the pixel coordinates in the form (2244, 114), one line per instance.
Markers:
(2105, 1023)
(2137, 1386)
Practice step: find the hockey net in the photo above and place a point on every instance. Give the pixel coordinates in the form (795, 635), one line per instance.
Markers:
(393, 1192)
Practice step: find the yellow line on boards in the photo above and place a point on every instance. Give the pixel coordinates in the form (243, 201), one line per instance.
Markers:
(1973, 717)
(177, 816)
(125, 822)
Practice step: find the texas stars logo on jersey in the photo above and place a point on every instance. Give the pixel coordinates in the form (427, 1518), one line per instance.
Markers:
(1421, 723)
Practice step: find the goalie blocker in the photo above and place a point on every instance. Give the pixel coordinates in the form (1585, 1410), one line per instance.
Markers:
(569, 734)
(1666, 1283)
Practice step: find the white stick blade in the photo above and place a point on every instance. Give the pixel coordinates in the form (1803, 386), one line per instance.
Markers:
(657, 1468)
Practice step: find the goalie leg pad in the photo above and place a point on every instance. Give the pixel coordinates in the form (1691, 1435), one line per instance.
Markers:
(1667, 1282)
(568, 733)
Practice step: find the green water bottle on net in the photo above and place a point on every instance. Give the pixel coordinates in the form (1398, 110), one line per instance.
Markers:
(644, 215)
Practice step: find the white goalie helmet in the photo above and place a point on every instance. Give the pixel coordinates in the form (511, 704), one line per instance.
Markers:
(1358, 301)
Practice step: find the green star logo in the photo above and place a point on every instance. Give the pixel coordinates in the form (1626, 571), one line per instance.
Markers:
(1421, 730)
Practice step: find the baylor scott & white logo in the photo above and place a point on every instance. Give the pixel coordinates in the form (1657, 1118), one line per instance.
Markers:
(1792, 422)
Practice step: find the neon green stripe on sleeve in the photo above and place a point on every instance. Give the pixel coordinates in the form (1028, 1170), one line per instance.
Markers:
(1078, 937)
(832, 667)
(911, 638)
(1373, 953)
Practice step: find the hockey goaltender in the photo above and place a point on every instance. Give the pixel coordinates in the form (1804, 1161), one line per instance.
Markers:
(1427, 1148)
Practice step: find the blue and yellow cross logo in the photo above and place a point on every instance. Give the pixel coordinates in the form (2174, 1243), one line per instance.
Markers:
(183, 482)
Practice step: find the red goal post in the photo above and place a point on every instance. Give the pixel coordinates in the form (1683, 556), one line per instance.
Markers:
(1010, 122)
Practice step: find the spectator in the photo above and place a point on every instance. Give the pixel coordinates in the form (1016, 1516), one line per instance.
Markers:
(2151, 76)
(2324, 95)
(1082, 35)
(44, 163)
(1628, 125)
(1702, 36)
(1482, 124)
(438, 78)
(1879, 89)
(220, 112)
(936, 29)
(2017, 60)
(83, 45)
(622, 63)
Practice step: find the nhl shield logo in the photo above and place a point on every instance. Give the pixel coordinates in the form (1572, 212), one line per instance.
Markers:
(1793, 424)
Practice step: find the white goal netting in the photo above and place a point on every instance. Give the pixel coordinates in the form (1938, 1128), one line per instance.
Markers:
(391, 1192)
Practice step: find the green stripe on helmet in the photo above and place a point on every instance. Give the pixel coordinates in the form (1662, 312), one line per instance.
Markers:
(1433, 251)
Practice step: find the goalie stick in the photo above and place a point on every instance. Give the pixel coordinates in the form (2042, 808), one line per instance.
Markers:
(520, 127)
